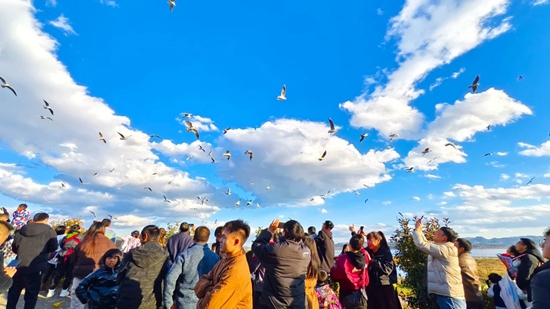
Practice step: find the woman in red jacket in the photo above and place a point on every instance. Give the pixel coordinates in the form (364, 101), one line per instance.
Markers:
(351, 272)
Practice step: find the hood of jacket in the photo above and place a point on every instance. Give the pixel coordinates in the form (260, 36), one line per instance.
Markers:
(34, 229)
(148, 254)
(358, 260)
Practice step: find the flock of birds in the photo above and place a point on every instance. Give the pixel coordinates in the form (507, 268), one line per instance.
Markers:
(282, 96)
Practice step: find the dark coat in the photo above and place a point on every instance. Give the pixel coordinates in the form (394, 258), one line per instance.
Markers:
(99, 288)
(325, 248)
(382, 270)
(33, 244)
(529, 262)
(540, 287)
(83, 265)
(177, 244)
(285, 266)
(5, 280)
(141, 273)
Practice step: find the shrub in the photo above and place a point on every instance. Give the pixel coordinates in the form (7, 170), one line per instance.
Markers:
(68, 222)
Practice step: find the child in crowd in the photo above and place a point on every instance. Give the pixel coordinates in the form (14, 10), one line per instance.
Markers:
(21, 216)
(99, 289)
(504, 291)
(325, 295)
(130, 242)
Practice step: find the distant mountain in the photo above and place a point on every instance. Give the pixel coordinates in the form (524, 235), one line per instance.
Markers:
(479, 242)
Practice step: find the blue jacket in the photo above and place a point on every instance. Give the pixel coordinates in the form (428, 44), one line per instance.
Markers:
(177, 244)
(190, 265)
(100, 288)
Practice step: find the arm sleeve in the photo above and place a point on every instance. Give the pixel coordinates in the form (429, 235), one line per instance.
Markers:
(81, 290)
(490, 292)
(384, 265)
(225, 294)
(428, 247)
(53, 245)
(15, 243)
(261, 247)
(525, 270)
(176, 270)
(337, 272)
(204, 285)
(5, 281)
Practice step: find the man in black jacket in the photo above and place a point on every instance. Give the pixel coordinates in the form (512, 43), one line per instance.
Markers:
(285, 266)
(530, 258)
(33, 244)
(325, 246)
(8, 272)
(141, 273)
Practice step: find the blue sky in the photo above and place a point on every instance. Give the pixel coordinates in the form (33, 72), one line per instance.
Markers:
(401, 68)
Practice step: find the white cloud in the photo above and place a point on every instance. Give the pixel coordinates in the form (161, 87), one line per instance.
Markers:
(540, 2)
(502, 154)
(534, 151)
(521, 175)
(449, 194)
(459, 122)
(431, 176)
(202, 124)
(495, 164)
(110, 3)
(323, 211)
(386, 202)
(416, 198)
(62, 23)
(286, 153)
(504, 177)
(51, 3)
(379, 11)
(69, 144)
(429, 35)
(438, 81)
(512, 207)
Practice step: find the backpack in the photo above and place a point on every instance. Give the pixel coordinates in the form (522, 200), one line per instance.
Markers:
(70, 250)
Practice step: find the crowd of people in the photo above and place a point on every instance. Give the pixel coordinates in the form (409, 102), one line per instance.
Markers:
(285, 268)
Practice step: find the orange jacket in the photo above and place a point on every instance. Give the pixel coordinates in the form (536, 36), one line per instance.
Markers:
(227, 286)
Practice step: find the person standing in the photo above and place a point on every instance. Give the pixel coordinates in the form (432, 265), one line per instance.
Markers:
(470, 277)
(530, 258)
(33, 245)
(21, 216)
(540, 282)
(228, 284)
(86, 257)
(179, 242)
(286, 263)
(444, 279)
(325, 246)
(382, 273)
(312, 274)
(190, 265)
(141, 273)
(312, 232)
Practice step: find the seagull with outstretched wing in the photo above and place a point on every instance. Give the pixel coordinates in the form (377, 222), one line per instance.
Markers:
(282, 96)
(6, 85)
(47, 106)
(475, 84)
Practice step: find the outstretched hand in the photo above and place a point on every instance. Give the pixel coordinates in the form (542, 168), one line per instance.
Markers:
(273, 226)
(418, 225)
(352, 228)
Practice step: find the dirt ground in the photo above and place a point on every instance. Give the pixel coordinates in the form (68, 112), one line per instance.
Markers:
(43, 302)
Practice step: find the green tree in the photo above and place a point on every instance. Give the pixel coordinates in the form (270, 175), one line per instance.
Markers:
(68, 223)
(413, 261)
(258, 231)
(172, 229)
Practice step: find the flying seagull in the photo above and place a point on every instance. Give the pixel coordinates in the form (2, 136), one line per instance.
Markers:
(82, 182)
(213, 160)
(323, 156)
(6, 85)
(410, 169)
(488, 127)
(356, 192)
(122, 137)
(432, 160)
(95, 174)
(188, 157)
(451, 144)
(172, 4)
(165, 199)
(250, 153)
(187, 115)
(44, 117)
(112, 170)
(101, 138)
(283, 94)
(62, 185)
(530, 181)
(249, 202)
(200, 148)
(228, 192)
(112, 217)
(148, 188)
(227, 154)
(332, 128)
(226, 130)
(393, 136)
(366, 200)
(427, 150)
(93, 213)
(520, 77)
(475, 84)
(238, 202)
(155, 135)
(47, 106)
(363, 137)
(268, 187)
(210, 153)
(190, 128)
(487, 154)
